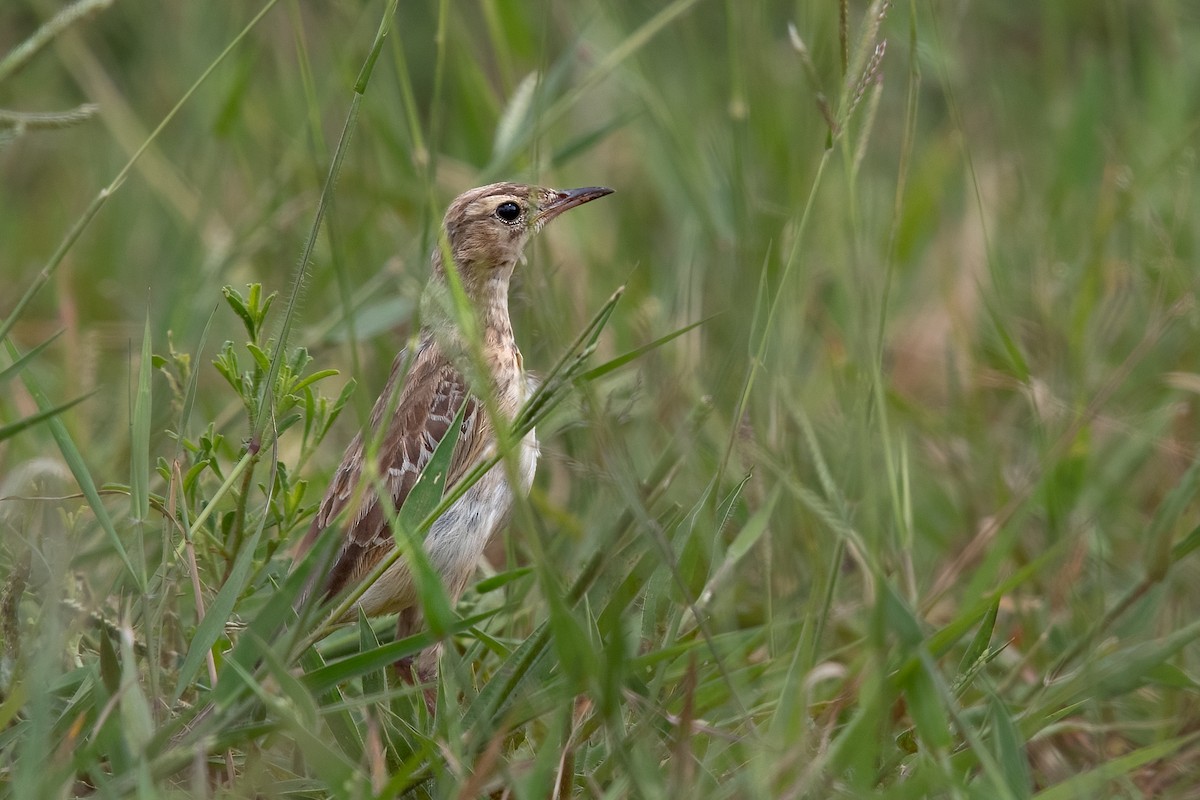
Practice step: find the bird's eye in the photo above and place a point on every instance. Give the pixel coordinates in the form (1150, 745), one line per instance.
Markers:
(508, 211)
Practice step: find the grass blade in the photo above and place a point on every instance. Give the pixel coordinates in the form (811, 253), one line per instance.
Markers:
(13, 428)
(139, 435)
(75, 462)
(10, 372)
(1093, 782)
(622, 360)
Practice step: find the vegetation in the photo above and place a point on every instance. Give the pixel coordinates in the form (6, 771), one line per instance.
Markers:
(909, 513)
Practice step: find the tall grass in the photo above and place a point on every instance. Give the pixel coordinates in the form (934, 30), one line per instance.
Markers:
(910, 512)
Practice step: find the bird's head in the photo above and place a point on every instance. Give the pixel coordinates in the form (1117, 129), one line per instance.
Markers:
(487, 228)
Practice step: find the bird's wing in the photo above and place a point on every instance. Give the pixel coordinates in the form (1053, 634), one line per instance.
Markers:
(432, 394)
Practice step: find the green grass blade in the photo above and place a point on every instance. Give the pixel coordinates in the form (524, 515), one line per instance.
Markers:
(354, 667)
(983, 637)
(75, 462)
(331, 706)
(102, 197)
(1010, 750)
(13, 428)
(212, 626)
(10, 372)
(409, 532)
(632, 355)
(266, 404)
(139, 435)
(1093, 782)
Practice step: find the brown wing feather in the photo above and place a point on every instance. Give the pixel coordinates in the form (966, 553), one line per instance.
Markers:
(431, 396)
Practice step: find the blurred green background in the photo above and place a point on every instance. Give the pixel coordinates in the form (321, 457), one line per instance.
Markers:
(951, 366)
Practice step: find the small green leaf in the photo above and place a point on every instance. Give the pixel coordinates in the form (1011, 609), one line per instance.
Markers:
(238, 304)
(261, 359)
(189, 479)
(311, 379)
(983, 637)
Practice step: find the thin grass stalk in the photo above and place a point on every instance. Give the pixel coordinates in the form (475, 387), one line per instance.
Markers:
(102, 197)
(20, 55)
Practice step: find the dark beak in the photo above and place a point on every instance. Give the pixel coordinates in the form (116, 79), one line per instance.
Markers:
(568, 199)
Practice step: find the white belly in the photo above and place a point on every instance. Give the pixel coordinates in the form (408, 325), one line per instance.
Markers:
(456, 541)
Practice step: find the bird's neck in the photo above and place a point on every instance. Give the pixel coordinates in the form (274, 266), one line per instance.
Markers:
(487, 304)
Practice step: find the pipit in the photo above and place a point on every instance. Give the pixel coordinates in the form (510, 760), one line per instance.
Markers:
(486, 230)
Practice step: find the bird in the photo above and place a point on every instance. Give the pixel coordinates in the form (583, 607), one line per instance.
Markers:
(485, 233)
